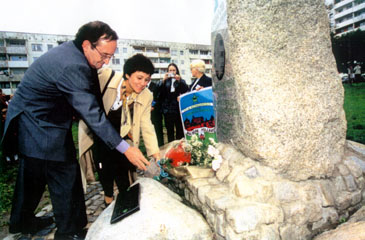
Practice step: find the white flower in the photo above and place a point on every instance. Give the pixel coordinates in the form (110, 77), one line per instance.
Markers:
(212, 151)
(218, 158)
(194, 138)
(216, 164)
(212, 142)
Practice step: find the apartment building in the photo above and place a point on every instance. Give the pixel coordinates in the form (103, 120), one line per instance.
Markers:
(19, 50)
(347, 16)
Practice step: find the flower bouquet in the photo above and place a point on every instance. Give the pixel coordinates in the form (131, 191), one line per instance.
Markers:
(186, 153)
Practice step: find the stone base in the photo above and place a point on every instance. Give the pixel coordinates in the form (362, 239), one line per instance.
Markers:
(246, 200)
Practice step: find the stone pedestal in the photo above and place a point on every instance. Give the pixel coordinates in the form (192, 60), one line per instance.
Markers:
(279, 97)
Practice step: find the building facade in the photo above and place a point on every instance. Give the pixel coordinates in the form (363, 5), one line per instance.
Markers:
(347, 16)
(19, 50)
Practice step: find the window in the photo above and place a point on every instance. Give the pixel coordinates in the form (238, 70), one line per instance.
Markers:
(151, 50)
(18, 71)
(174, 61)
(116, 50)
(4, 85)
(163, 50)
(138, 49)
(194, 52)
(125, 50)
(49, 46)
(164, 60)
(36, 47)
(173, 53)
(163, 70)
(182, 62)
(15, 43)
(1, 42)
(2, 58)
(204, 52)
(15, 84)
(116, 61)
(18, 58)
(154, 60)
(181, 53)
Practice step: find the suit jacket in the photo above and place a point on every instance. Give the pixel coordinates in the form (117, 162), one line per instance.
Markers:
(141, 115)
(55, 87)
(204, 81)
(168, 99)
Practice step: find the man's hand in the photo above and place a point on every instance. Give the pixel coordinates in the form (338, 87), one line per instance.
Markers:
(136, 157)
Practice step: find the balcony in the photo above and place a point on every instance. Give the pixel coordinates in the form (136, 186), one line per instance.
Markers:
(161, 65)
(205, 56)
(164, 55)
(156, 76)
(359, 18)
(16, 50)
(18, 64)
(341, 4)
(344, 23)
(343, 13)
(151, 54)
(3, 64)
(13, 78)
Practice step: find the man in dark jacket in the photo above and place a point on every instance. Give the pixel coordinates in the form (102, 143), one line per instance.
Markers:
(61, 82)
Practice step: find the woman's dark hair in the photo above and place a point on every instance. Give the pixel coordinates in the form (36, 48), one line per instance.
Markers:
(93, 31)
(136, 63)
(177, 69)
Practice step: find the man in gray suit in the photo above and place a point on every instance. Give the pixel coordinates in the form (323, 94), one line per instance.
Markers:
(61, 83)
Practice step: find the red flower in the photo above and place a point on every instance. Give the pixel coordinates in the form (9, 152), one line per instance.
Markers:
(178, 156)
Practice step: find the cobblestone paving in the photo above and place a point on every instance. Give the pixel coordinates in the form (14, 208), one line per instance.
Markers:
(94, 201)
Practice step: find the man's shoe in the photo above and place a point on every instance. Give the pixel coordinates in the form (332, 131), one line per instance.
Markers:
(35, 225)
(75, 236)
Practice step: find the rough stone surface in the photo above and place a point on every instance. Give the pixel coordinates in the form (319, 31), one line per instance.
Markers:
(348, 231)
(280, 101)
(162, 215)
(248, 200)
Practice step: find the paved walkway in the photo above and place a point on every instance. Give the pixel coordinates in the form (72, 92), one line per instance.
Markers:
(94, 201)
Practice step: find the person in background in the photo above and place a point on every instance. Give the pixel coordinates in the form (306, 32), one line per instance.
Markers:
(58, 84)
(156, 114)
(127, 104)
(172, 87)
(197, 68)
(357, 71)
(351, 75)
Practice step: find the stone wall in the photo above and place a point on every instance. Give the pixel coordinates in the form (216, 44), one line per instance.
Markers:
(280, 99)
(247, 200)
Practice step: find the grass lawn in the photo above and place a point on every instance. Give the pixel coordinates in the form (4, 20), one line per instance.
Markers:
(355, 111)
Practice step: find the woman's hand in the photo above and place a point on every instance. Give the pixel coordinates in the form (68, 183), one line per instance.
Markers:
(166, 76)
(156, 156)
(177, 77)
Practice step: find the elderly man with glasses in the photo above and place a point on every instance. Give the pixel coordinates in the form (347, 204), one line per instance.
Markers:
(59, 84)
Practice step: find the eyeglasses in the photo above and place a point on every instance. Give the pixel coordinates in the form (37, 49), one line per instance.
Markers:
(103, 56)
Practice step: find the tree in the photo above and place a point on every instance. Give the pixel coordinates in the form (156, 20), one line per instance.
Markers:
(349, 48)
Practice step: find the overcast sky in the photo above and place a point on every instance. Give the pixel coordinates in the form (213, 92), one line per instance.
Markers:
(187, 21)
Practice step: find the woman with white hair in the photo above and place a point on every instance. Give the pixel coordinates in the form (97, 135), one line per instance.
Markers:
(197, 68)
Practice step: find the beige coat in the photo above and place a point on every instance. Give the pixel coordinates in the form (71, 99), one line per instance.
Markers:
(141, 121)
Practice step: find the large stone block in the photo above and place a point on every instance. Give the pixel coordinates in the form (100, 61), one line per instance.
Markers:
(162, 215)
(280, 98)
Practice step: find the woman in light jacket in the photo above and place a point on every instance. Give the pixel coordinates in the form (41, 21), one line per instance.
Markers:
(127, 104)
